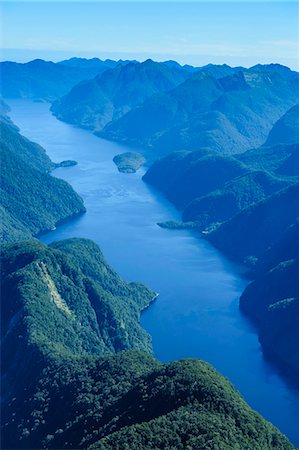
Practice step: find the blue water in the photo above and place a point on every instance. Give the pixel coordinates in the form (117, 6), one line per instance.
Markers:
(196, 313)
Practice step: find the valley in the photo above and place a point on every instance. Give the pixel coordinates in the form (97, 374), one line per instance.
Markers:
(199, 288)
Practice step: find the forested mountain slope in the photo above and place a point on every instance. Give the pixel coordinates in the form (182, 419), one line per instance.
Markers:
(94, 103)
(64, 309)
(31, 199)
(230, 114)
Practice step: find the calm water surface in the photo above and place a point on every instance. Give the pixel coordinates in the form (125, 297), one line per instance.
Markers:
(196, 313)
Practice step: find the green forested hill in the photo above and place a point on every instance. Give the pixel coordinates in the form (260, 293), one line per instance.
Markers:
(94, 103)
(184, 176)
(230, 114)
(236, 195)
(64, 309)
(272, 300)
(247, 206)
(251, 232)
(286, 129)
(281, 159)
(212, 188)
(31, 200)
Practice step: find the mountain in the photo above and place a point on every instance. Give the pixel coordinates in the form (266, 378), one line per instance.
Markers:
(45, 80)
(184, 176)
(272, 301)
(93, 64)
(284, 249)
(252, 231)
(212, 188)
(175, 64)
(286, 129)
(94, 103)
(230, 114)
(247, 206)
(236, 195)
(65, 314)
(281, 159)
(32, 200)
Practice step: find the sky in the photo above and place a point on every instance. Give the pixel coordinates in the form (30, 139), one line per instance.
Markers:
(197, 32)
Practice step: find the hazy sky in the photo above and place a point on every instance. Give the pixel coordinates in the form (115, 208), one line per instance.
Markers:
(237, 33)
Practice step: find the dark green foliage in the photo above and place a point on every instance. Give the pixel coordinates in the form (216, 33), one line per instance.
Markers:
(184, 176)
(64, 309)
(129, 162)
(46, 80)
(186, 405)
(212, 189)
(281, 159)
(236, 195)
(31, 200)
(94, 103)
(91, 309)
(284, 249)
(272, 301)
(255, 229)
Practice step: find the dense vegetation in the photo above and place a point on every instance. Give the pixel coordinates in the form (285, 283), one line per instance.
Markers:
(245, 204)
(77, 370)
(236, 195)
(31, 200)
(272, 300)
(64, 309)
(252, 231)
(230, 114)
(94, 103)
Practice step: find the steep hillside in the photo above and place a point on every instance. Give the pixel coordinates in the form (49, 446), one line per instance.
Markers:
(252, 231)
(272, 301)
(93, 104)
(31, 200)
(236, 195)
(67, 310)
(286, 129)
(183, 176)
(45, 80)
(230, 114)
(212, 188)
(282, 159)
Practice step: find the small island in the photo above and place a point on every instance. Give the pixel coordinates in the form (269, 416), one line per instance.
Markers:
(129, 162)
(175, 225)
(67, 163)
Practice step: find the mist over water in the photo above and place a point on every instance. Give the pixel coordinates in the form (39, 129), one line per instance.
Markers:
(196, 313)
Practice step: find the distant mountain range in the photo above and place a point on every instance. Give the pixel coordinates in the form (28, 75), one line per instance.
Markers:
(163, 107)
(45, 80)
(95, 103)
